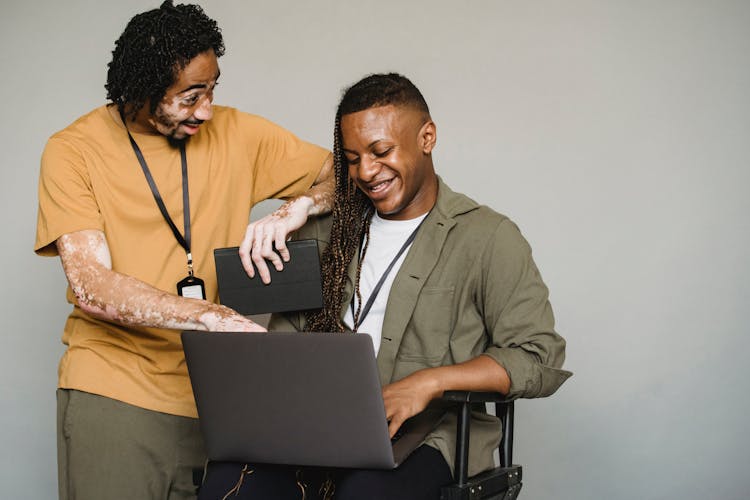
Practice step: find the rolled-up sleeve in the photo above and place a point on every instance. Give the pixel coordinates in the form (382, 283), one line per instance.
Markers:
(518, 317)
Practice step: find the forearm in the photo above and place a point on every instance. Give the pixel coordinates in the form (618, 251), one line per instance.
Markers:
(107, 294)
(123, 299)
(319, 198)
(410, 395)
(479, 374)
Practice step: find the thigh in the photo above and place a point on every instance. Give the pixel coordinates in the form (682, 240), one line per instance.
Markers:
(420, 477)
(190, 455)
(62, 450)
(257, 482)
(112, 450)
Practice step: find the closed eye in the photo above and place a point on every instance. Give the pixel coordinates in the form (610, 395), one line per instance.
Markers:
(352, 161)
(381, 154)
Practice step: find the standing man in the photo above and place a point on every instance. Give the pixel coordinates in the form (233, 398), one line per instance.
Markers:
(447, 289)
(134, 197)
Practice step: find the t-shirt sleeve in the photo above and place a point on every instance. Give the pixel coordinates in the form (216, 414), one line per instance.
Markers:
(286, 166)
(66, 200)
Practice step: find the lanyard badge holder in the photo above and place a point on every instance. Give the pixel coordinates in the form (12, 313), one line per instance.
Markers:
(191, 286)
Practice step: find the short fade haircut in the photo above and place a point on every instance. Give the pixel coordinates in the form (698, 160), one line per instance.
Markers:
(382, 89)
(155, 46)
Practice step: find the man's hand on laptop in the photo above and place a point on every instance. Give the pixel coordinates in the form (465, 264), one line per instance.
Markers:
(269, 233)
(409, 396)
(224, 319)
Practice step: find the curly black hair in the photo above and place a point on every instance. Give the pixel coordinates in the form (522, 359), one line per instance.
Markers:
(352, 209)
(155, 46)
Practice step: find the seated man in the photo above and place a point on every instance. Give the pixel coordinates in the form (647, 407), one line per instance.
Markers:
(446, 288)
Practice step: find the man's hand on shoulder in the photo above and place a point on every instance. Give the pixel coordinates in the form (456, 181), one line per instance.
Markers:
(272, 231)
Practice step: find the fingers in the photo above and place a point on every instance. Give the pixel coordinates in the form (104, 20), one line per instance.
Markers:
(394, 425)
(397, 410)
(224, 319)
(242, 324)
(264, 243)
(255, 328)
(280, 243)
(257, 257)
(403, 400)
(245, 247)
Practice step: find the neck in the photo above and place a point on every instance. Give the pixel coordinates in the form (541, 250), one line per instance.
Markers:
(141, 124)
(390, 218)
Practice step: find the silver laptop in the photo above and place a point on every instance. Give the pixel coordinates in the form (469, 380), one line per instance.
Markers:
(295, 398)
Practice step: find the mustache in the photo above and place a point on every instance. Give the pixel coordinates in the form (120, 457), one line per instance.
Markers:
(193, 123)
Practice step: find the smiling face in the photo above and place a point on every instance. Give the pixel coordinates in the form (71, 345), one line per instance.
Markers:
(388, 152)
(187, 103)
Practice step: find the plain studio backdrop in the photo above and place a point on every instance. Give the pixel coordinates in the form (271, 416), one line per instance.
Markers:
(616, 134)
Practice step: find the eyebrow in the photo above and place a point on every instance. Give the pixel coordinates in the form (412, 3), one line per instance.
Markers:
(200, 85)
(368, 146)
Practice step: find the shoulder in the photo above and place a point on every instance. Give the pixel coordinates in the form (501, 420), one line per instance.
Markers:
(316, 228)
(476, 227)
(68, 147)
(461, 210)
(227, 116)
(93, 123)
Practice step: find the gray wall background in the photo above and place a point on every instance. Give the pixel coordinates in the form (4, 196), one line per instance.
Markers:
(615, 133)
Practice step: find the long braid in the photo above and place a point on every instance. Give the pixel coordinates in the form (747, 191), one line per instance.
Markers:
(351, 213)
(355, 315)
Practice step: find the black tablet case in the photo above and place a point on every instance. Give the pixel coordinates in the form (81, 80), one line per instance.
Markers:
(295, 288)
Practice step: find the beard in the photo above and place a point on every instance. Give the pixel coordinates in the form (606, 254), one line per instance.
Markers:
(169, 127)
(177, 142)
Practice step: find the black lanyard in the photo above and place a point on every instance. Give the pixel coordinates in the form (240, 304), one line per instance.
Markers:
(379, 285)
(183, 241)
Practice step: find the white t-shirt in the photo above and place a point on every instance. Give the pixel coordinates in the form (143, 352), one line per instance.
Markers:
(386, 239)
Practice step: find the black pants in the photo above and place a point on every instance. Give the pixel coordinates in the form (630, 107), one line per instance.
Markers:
(418, 478)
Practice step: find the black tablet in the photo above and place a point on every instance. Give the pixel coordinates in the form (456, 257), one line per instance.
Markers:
(295, 288)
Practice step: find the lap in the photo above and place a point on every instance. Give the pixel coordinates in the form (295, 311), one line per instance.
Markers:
(419, 477)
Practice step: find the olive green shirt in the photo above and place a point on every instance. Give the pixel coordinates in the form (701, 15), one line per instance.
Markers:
(467, 287)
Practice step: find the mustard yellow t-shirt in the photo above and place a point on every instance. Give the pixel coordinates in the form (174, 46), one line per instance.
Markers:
(90, 179)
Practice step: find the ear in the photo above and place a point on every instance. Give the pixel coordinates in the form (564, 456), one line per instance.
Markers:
(427, 137)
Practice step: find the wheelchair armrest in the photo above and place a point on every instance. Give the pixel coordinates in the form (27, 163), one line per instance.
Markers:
(503, 409)
(474, 397)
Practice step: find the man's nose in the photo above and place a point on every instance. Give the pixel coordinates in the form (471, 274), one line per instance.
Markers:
(369, 168)
(205, 110)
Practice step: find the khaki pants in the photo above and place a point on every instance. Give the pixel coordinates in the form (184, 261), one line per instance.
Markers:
(109, 450)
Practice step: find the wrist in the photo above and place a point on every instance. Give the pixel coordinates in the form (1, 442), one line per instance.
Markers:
(210, 319)
(435, 382)
(304, 205)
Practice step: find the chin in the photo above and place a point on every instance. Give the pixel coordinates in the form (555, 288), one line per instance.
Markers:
(176, 141)
(388, 210)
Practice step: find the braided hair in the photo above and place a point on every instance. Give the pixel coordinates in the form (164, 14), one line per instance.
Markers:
(155, 46)
(352, 209)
